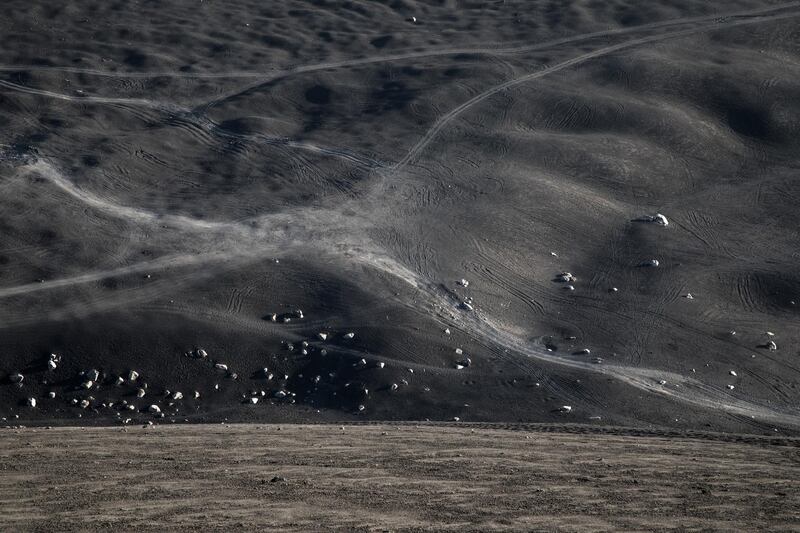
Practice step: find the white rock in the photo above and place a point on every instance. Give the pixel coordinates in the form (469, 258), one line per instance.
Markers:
(31, 402)
(322, 336)
(51, 395)
(87, 384)
(51, 364)
(565, 408)
(221, 366)
(140, 393)
(447, 331)
(349, 335)
(658, 218)
(16, 377)
(569, 287)
(177, 396)
(467, 306)
(201, 353)
(456, 419)
(772, 346)
(381, 364)
(253, 400)
(120, 380)
(731, 387)
(133, 375)
(649, 263)
(361, 407)
(196, 395)
(463, 283)
(769, 334)
(85, 404)
(154, 409)
(394, 386)
(662, 382)
(280, 394)
(566, 277)
(689, 296)
(732, 373)
(459, 367)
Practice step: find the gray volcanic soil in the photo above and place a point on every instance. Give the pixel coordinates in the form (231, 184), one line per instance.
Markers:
(172, 175)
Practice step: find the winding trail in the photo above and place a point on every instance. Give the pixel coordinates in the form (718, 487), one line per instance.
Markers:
(445, 119)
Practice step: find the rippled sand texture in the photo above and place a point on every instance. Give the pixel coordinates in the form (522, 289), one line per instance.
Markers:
(170, 176)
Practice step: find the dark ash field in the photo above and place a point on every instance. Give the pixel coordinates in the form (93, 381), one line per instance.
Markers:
(265, 210)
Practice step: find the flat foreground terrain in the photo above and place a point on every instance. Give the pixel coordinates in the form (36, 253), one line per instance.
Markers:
(312, 478)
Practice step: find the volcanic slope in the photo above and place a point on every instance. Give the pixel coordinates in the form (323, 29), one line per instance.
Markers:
(268, 209)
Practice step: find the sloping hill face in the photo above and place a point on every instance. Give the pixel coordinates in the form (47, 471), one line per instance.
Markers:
(269, 209)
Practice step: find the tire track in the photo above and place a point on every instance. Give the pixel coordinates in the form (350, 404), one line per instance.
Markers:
(445, 120)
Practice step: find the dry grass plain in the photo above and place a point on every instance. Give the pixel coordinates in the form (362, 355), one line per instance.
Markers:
(394, 478)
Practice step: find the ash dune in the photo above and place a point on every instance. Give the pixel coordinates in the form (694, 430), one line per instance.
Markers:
(266, 208)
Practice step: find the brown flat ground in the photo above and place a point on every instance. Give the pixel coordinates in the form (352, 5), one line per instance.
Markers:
(388, 477)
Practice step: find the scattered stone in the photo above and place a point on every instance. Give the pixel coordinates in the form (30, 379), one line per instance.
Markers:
(732, 373)
(412, 20)
(771, 346)
(361, 407)
(769, 334)
(154, 409)
(273, 317)
(565, 408)
(133, 375)
(381, 364)
(584, 351)
(85, 404)
(649, 263)
(278, 479)
(280, 394)
(140, 393)
(447, 331)
(466, 306)
(349, 335)
(51, 364)
(689, 296)
(92, 375)
(120, 381)
(613, 289)
(565, 277)
(253, 400)
(731, 387)
(31, 402)
(464, 283)
(16, 377)
(662, 382)
(322, 336)
(456, 419)
(569, 287)
(51, 395)
(221, 366)
(177, 396)
(394, 386)
(87, 384)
